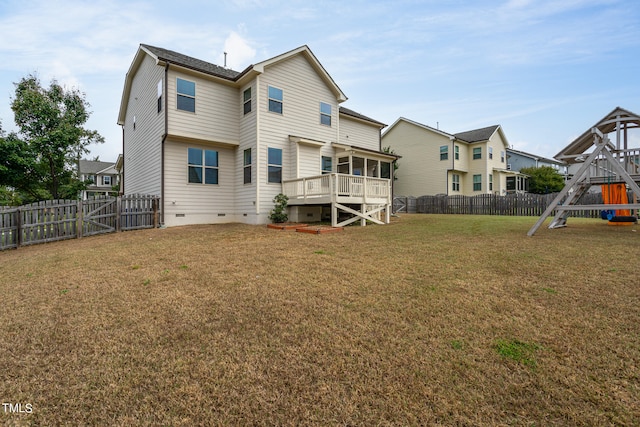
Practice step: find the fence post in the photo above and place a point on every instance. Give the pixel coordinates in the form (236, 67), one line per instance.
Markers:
(118, 213)
(155, 212)
(18, 228)
(79, 220)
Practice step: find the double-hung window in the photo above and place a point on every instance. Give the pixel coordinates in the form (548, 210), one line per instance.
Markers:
(247, 166)
(106, 180)
(326, 164)
(203, 166)
(274, 165)
(456, 152)
(502, 156)
(490, 153)
(325, 114)
(275, 100)
(444, 152)
(455, 182)
(186, 92)
(477, 182)
(490, 182)
(246, 99)
(477, 153)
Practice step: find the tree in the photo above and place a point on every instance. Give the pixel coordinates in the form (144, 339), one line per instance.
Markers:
(50, 140)
(543, 179)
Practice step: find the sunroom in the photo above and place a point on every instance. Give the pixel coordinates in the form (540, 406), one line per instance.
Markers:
(358, 186)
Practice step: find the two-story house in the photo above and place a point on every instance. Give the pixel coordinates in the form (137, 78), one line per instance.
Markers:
(436, 162)
(100, 177)
(517, 159)
(218, 145)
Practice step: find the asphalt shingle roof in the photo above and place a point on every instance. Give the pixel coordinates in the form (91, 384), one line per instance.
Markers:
(91, 166)
(357, 115)
(190, 62)
(477, 134)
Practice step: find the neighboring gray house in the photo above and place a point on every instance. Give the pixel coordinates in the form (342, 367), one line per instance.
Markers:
(101, 176)
(516, 160)
(217, 145)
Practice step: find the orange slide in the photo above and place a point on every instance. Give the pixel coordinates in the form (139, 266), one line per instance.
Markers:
(616, 194)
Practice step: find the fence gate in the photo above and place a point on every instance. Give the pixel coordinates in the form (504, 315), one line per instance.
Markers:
(99, 215)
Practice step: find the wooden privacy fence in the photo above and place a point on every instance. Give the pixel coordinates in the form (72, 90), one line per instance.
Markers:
(489, 204)
(53, 220)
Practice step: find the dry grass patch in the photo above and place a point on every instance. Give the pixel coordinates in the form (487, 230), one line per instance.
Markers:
(429, 320)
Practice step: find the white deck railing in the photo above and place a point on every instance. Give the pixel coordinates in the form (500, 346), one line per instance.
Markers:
(337, 187)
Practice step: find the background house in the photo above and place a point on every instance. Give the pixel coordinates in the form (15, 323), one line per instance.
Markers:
(516, 160)
(218, 145)
(100, 176)
(437, 162)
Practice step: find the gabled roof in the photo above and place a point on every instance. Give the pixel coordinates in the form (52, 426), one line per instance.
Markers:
(606, 125)
(477, 135)
(361, 117)
(94, 167)
(429, 128)
(166, 56)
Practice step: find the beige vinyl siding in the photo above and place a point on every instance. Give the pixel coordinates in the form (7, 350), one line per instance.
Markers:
(477, 167)
(142, 151)
(245, 196)
(420, 172)
(200, 203)
(218, 110)
(308, 161)
(359, 134)
(303, 90)
(499, 179)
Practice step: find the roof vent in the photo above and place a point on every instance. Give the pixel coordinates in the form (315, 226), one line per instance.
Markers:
(225, 60)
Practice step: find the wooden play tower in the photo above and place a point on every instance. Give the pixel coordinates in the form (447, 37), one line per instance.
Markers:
(602, 162)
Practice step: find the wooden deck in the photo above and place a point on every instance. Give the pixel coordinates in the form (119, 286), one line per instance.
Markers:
(341, 192)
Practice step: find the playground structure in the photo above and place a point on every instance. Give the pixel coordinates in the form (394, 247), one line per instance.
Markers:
(614, 167)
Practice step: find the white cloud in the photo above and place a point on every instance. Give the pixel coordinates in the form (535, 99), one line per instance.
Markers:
(239, 52)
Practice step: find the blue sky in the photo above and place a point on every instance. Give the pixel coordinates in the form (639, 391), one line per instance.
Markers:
(546, 70)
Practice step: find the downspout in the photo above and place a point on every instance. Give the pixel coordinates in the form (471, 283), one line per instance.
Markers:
(258, 109)
(123, 167)
(164, 138)
(453, 162)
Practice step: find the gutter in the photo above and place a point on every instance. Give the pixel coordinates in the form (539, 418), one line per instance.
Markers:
(164, 138)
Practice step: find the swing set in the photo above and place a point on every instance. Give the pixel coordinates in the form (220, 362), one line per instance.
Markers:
(613, 167)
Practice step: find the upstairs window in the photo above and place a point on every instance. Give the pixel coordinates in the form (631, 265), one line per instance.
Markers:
(274, 165)
(477, 153)
(246, 99)
(275, 100)
(203, 166)
(106, 180)
(326, 164)
(247, 166)
(456, 152)
(186, 92)
(325, 114)
(444, 152)
(490, 153)
(502, 156)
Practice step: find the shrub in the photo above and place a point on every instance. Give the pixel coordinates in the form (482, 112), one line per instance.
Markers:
(279, 211)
